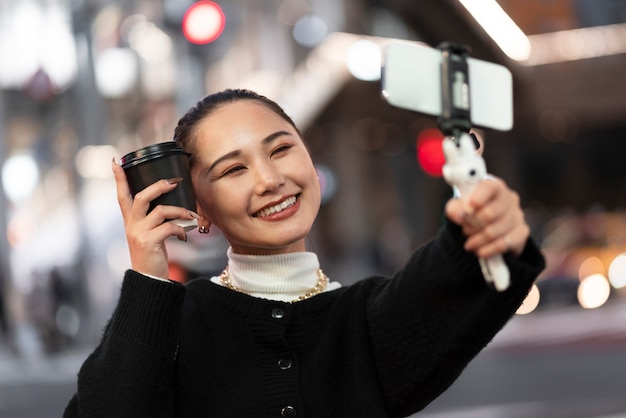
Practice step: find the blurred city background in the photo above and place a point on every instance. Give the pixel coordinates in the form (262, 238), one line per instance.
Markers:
(85, 81)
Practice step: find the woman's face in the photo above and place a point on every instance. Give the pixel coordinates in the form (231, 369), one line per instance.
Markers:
(255, 180)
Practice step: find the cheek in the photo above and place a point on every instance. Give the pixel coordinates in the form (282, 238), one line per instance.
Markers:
(222, 203)
(205, 199)
(317, 186)
(314, 185)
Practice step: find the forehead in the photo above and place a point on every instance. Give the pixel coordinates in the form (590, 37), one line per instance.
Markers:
(242, 114)
(244, 119)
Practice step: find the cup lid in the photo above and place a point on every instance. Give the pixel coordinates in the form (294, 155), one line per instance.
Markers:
(152, 151)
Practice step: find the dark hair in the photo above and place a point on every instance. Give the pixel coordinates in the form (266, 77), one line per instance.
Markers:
(186, 130)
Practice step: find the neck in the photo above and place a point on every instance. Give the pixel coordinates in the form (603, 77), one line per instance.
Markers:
(295, 247)
(286, 277)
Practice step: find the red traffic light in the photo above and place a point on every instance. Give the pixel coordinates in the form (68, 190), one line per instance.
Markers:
(203, 22)
(430, 152)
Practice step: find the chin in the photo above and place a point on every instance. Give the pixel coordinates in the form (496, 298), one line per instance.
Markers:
(282, 243)
(289, 242)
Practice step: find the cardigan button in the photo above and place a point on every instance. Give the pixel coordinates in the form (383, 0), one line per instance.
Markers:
(288, 412)
(278, 313)
(285, 364)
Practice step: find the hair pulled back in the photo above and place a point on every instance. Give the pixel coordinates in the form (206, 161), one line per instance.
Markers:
(187, 127)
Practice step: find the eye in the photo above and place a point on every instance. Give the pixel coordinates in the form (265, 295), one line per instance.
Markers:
(281, 149)
(232, 170)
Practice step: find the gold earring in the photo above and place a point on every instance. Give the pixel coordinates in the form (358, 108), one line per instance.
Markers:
(203, 229)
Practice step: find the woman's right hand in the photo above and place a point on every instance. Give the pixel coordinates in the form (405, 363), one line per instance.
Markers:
(146, 233)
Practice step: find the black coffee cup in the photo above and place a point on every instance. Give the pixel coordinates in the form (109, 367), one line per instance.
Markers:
(166, 160)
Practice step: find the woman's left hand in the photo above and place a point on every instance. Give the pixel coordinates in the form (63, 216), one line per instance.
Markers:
(491, 217)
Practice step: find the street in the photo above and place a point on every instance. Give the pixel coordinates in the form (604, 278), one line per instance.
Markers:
(38, 387)
(35, 400)
(553, 384)
(564, 363)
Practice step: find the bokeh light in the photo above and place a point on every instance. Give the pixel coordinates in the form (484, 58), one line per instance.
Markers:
(35, 39)
(20, 176)
(117, 72)
(593, 291)
(617, 271)
(531, 302)
(94, 161)
(430, 154)
(203, 22)
(310, 30)
(590, 266)
(151, 43)
(364, 60)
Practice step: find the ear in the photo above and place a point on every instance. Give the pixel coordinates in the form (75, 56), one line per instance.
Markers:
(467, 144)
(449, 149)
(203, 218)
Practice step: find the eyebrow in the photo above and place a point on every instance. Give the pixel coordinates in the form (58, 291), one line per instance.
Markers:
(267, 140)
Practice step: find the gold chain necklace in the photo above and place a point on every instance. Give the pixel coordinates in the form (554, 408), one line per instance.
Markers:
(322, 282)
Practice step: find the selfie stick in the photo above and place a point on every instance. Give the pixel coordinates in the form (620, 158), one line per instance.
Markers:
(464, 167)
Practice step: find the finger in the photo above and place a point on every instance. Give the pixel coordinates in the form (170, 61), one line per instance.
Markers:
(514, 242)
(504, 204)
(517, 239)
(509, 232)
(124, 198)
(490, 233)
(485, 192)
(488, 218)
(455, 211)
(497, 219)
(150, 239)
(479, 207)
(163, 213)
(470, 221)
(144, 197)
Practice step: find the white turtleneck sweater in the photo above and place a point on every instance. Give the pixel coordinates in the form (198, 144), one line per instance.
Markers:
(281, 277)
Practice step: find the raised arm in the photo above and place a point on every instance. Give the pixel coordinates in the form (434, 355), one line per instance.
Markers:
(438, 312)
(130, 372)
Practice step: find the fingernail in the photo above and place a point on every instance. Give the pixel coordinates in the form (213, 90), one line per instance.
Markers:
(175, 180)
(475, 222)
(471, 220)
(468, 209)
(194, 214)
(113, 165)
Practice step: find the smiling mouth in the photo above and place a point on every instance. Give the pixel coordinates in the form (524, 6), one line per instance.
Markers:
(270, 210)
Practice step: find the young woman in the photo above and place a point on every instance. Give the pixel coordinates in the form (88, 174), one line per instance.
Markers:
(271, 336)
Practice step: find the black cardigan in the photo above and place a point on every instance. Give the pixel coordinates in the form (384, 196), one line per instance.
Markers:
(378, 348)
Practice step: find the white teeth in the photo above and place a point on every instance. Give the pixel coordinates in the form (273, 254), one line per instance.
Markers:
(290, 201)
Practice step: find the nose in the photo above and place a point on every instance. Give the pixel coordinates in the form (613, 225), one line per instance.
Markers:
(269, 178)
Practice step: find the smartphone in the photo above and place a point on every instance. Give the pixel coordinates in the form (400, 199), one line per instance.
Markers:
(411, 79)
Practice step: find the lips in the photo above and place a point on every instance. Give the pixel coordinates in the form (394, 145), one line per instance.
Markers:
(270, 210)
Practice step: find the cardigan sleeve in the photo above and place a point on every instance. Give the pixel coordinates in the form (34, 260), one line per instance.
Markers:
(129, 374)
(429, 320)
